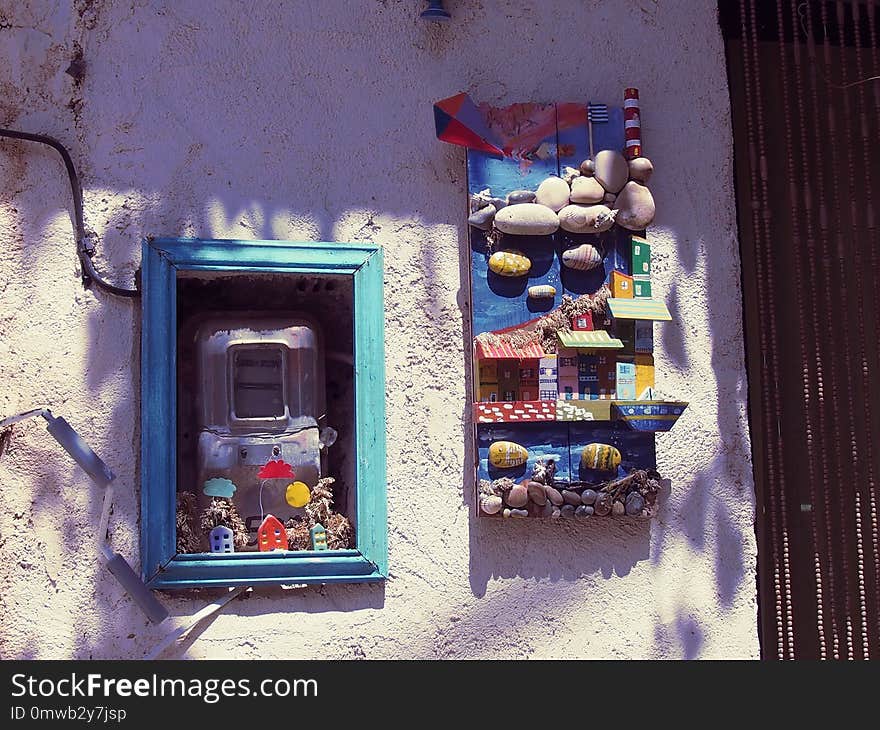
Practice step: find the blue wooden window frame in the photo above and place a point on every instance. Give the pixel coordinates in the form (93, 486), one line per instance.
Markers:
(161, 566)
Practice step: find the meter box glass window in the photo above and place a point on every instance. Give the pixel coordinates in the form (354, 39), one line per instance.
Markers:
(263, 454)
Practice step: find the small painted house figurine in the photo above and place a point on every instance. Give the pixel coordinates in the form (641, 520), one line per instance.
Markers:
(221, 540)
(567, 374)
(319, 537)
(547, 378)
(528, 380)
(271, 535)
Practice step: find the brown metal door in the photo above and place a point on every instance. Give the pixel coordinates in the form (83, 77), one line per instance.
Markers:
(805, 100)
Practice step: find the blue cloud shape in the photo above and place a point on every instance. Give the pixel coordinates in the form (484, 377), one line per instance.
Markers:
(218, 487)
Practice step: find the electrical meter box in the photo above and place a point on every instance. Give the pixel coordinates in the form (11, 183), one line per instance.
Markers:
(260, 397)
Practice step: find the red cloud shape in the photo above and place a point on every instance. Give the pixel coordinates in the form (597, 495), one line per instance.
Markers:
(276, 469)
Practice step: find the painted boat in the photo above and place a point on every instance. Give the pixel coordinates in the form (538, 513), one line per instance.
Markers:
(648, 415)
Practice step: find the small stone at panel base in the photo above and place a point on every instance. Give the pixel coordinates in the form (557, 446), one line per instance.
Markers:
(491, 505)
(498, 203)
(537, 493)
(567, 510)
(518, 496)
(571, 497)
(520, 513)
(635, 503)
(548, 509)
(617, 509)
(603, 505)
(556, 514)
(587, 167)
(582, 511)
(553, 495)
(609, 199)
(588, 496)
(520, 196)
(588, 510)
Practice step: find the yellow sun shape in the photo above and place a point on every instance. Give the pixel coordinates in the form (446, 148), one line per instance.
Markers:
(297, 494)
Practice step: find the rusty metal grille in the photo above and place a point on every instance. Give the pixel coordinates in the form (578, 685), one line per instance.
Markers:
(805, 101)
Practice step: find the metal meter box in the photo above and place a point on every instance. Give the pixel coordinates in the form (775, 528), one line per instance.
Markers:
(259, 397)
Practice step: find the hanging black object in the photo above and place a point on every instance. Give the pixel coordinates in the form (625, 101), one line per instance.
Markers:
(435, 12)
(84, 248)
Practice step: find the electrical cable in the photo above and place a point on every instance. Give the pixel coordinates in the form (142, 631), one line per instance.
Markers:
(84, 249)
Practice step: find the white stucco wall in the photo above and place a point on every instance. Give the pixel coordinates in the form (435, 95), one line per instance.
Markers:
(312, 121)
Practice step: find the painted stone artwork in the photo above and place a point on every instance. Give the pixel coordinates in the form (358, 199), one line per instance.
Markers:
(506, 454)
(601, 457)
(566, 397)
(509, 263)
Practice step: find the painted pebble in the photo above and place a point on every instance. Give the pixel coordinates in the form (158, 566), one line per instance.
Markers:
(603, 505)
(577, 218)
(612, 170)
(601, 457)
(641, 169)
(509, 263)
(553, 193)
(520, 196)
(567, 510)
(588, 496)
(582, 258)
(571, 497)
(586, 190)
(491, 505)
(482, 218)
(582, 511)
(506, 454)
(635, 503)
(528, 219)
(518, 496)
(542, 291)
(635, 207)
(617, 509)
(537, 493)
(554, 495)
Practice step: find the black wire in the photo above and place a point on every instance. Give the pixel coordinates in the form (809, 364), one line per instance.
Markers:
(83, 249)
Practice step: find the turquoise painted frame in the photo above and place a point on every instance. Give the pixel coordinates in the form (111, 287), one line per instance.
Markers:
(161, 566)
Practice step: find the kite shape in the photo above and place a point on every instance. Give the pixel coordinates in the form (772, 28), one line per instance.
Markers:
(458, 121)
(276, 469)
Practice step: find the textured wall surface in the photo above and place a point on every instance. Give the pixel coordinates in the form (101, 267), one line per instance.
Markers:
(312, 121)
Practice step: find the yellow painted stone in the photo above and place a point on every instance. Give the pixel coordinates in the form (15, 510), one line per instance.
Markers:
(509, 263)
(601, 457)
(297, 494)
(506, 454)
(540, 291)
